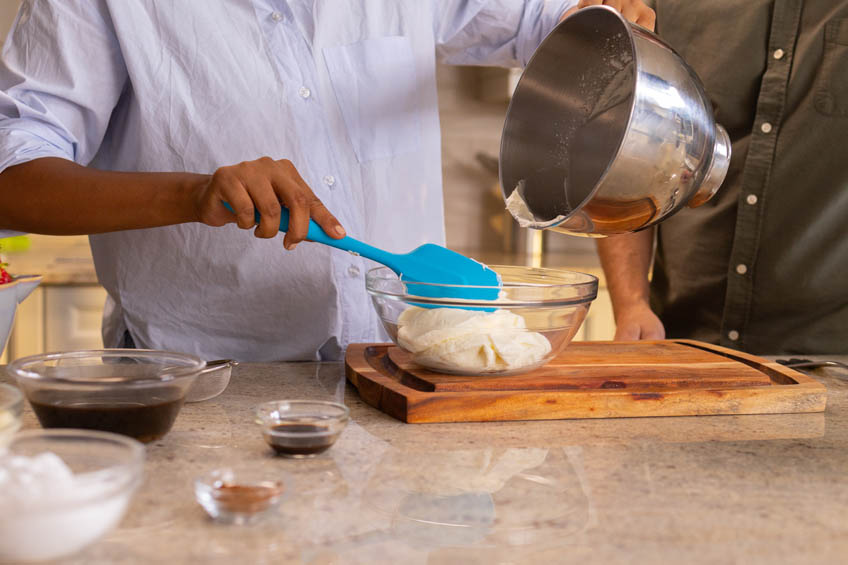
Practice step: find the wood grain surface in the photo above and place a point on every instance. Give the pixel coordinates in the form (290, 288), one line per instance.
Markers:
(587, 380)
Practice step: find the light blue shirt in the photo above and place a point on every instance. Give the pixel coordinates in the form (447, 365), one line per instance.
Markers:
(345, 89)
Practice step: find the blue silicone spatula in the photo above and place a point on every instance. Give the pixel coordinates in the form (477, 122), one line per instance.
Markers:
(429, 263)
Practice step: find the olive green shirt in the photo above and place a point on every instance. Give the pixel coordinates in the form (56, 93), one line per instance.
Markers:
(763, 267)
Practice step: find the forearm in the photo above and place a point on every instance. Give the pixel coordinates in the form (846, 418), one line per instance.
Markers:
(626, 260)
(58, 197)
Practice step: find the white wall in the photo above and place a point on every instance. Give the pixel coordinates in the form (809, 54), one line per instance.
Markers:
(8, 9)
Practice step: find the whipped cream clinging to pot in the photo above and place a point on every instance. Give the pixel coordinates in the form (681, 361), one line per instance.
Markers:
(517, 206)
(470, 341)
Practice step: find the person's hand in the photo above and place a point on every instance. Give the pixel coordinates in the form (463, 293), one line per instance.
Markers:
(635, 11)
(263, 184)
(637, 322)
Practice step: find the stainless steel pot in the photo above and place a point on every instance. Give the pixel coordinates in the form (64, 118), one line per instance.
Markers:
(609, 131)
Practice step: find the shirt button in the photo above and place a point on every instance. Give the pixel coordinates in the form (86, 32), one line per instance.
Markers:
(329, 180)
(741, 268)
(304, 92)
(353, 271)
(778, 54)
(733, 335)
(751, 199)
(766, 127)
(277, 16)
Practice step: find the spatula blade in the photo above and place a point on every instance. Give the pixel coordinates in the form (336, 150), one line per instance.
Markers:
(440, 266)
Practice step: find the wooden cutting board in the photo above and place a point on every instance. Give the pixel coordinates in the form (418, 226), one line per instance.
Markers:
(598, 379)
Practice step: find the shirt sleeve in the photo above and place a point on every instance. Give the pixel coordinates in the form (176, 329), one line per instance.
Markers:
(494, 32)
(61, 75)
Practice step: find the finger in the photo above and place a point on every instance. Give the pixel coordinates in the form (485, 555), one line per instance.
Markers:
(326, 220)
(631, 14)
(232, 191)
(647, 18)
(267, 204)
(581, 4)
(210, 211)
(298, 206)
(653, 332)
(297, 196)
(298, 201)
(318, 212)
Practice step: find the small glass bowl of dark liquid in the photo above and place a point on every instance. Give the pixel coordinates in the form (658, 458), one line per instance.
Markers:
(301, 428)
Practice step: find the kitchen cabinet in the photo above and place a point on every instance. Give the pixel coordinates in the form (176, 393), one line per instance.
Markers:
(65, 311)
(58, 318)
(73, 317)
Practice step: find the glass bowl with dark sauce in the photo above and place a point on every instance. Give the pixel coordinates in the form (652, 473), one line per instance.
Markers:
(301, 428)
(134, 392)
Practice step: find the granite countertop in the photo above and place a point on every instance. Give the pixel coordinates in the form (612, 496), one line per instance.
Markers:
(744, 489)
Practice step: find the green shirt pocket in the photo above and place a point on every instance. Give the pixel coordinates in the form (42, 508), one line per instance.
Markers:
(831, 89)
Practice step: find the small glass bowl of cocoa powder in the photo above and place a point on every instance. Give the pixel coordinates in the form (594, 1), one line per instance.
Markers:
(239, 497)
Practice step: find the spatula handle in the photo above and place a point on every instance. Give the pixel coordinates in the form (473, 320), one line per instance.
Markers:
(315, 232)
(347, 243)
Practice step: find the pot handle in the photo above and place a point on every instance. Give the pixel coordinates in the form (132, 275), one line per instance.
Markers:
(716, 171)
(217, 364)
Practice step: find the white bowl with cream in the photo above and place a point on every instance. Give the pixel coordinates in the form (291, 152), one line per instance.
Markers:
(536, 315)
(11, 294)
(62, 490)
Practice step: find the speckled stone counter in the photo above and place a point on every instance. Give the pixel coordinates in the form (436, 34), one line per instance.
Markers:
(720, 489)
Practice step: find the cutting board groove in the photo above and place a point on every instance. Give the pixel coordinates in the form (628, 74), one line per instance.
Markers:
(588, 380)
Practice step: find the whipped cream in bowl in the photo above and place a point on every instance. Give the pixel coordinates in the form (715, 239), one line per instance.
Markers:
(536, 315)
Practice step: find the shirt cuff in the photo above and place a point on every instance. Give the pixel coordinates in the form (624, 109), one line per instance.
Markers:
(31, 140)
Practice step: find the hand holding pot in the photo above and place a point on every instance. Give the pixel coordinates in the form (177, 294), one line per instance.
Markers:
(609, 131)
(635, 11)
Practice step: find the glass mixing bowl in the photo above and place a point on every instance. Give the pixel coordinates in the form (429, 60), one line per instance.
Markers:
(50, 512)
(538, 312)
(11, 405)
(134, 392)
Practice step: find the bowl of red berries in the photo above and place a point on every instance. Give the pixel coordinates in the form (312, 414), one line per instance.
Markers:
(12, 291)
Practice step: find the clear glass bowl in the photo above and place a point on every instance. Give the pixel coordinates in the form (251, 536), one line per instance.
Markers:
(56, 518)
(135, 392)
(301, 428)
(537, 314)
(11, 406)
(240, 496)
